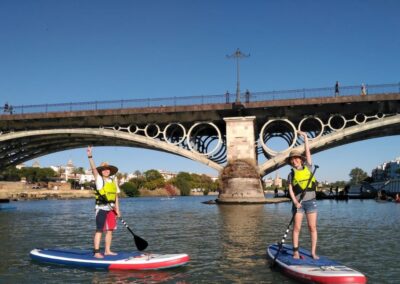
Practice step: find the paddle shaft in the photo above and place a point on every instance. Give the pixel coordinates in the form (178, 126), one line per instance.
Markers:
(291, 220)
(140, 243)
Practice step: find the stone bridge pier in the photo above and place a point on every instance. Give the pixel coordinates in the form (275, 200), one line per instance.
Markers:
(241, 181)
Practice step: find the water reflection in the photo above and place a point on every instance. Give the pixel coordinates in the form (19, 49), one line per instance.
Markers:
(242, 226)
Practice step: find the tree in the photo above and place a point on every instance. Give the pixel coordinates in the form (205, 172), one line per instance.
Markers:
(153, 179)
(151, 175)
(138, 182)
(182, 181)
(130, 189)
(357, 175)
(10, 174)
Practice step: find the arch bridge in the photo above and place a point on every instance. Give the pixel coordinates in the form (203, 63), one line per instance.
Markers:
(233, 138)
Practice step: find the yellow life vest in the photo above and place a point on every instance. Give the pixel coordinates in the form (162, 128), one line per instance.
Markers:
(109, 190)
(300, 180)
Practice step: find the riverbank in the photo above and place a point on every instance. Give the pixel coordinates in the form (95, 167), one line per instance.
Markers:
(23, 191)
(42, 194)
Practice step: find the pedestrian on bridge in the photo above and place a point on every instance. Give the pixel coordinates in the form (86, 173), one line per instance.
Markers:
(303, 183)
(337, 89)
(107, 204)
(363, 90)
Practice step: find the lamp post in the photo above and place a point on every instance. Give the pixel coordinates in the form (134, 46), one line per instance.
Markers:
(238, 55)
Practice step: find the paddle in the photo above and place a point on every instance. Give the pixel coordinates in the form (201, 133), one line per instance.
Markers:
(140, 243)
(291, 220)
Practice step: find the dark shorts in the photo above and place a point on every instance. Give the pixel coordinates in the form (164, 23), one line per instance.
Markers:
(309, 206)
(105, 221)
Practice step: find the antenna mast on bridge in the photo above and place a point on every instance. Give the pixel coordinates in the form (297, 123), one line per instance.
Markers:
(238, 55)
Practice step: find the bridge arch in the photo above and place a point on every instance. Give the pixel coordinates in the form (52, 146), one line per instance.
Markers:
(382, 126)
(26, 145)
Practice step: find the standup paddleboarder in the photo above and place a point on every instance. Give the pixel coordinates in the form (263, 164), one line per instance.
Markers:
(298, 179)
(106, 200)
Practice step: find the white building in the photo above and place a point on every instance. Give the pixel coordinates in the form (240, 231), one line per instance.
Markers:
(36, 164)
(167, 175)
(86, 177)
(20, 166)
(387, 170)
(276, 182)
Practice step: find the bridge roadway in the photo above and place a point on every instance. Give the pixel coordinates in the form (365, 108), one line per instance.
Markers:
(330, 121)
(293, 109)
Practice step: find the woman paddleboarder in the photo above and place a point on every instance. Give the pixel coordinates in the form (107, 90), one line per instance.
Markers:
(302, 193)
(107, 205)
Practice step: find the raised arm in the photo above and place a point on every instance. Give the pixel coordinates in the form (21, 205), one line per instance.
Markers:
(91, 162)
(306, 147)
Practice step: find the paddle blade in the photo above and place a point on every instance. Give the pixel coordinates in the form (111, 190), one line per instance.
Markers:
(140, 243)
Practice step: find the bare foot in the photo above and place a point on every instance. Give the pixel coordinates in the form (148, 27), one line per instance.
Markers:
(296, 255)
(98, 255)
(110, 253)
(314, 256)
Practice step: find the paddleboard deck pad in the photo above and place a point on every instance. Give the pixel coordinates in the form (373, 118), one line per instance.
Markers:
(309, 270)
(121, 261)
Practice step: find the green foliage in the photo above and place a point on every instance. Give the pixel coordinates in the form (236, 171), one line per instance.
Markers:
(78, 171)
(186, 182)
(10, 174)
(357, 175)
(138, 182)
(183, 182)
(151, 175)
(153, 184)
(31, 174)
(130, 189)
(37, 174)
(152, 179)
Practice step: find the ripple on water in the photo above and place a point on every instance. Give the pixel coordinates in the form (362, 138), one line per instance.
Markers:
(226, 244)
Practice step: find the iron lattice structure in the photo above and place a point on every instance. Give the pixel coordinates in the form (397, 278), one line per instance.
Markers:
(198, 132)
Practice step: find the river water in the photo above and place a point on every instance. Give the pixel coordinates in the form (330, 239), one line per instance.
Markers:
(226, 243)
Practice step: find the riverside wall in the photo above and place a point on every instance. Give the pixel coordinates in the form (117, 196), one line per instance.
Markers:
(21, 191)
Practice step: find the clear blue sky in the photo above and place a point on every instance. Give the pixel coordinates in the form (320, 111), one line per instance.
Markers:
(71, 51)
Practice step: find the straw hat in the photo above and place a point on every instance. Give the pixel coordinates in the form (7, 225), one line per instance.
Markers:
(105, 166)
(295, 153)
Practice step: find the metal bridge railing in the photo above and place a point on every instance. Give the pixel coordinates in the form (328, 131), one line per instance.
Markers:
(201, 100)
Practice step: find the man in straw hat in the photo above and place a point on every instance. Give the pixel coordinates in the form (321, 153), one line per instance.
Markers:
(105, 216)
(298, 179)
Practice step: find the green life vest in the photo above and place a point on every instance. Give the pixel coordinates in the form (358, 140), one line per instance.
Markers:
(300, 180)
(109, 190)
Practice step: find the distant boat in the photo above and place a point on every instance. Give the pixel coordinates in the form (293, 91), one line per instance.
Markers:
(168, 198)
